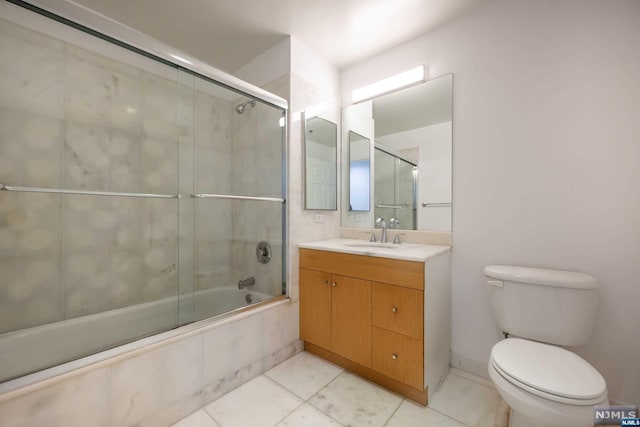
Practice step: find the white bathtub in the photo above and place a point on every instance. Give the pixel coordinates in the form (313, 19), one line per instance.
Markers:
(213, 302)
(44, 346)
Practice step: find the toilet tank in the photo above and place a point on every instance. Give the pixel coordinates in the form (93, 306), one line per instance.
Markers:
(551, 306)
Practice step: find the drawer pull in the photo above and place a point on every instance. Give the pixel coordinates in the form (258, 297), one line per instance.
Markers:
(394, 309)
(394, 356)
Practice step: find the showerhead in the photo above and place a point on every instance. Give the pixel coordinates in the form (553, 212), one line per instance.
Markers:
(240, 108)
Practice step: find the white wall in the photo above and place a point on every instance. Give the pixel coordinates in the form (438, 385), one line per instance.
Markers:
(434, 171)
(546, 160)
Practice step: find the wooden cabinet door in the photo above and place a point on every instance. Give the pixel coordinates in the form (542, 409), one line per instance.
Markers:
(315, 307)
(351, 318)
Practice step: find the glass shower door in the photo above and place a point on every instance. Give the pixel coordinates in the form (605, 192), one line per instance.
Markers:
(238, 199)
(88, 211)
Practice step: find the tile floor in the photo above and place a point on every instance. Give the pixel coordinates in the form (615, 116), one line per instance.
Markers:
(306, 391)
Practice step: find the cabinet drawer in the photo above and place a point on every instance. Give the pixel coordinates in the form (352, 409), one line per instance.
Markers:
(398, 309)
(398, 356)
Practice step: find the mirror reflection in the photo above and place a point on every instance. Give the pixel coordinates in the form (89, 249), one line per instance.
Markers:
(411, 138)
(359, 172)
(395, 183)
(320, 148)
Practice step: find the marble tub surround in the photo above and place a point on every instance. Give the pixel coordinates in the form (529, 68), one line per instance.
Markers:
(159, 384)
(442, 238)
(308, 391)
(407, 251)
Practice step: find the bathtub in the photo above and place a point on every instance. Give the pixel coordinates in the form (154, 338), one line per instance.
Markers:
(34, 349)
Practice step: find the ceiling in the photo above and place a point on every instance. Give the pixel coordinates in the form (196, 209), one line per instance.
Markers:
(415, 107)
(229, 33)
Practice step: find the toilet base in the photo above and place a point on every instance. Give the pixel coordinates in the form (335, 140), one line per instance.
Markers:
(517, 420)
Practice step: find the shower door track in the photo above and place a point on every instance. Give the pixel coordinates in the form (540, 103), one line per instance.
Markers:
(86, 192)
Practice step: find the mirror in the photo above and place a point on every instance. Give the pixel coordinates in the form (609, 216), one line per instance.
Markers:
(359, 173)
(411, 161)
(320, 164)
(395, 182)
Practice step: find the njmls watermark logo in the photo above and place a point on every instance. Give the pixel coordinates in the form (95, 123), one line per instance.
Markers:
(615, 415)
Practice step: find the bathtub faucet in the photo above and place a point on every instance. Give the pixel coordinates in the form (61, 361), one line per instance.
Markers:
(246, 282)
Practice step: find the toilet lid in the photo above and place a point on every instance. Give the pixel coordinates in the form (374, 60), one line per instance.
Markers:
(549, 369)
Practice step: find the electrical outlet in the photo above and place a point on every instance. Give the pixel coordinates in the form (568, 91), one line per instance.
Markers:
(319, 218)
(357, 217)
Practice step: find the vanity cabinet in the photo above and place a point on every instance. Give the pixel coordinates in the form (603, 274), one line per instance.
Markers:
(369, 315)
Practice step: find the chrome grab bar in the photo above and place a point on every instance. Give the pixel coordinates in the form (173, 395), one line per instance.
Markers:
(228, 196)
(86, 192)
(391, 206)
(435, 205)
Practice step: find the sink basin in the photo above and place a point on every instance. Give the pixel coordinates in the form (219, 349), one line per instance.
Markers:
(370, 245)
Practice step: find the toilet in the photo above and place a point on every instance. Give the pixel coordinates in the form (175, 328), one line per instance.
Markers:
(540, 311)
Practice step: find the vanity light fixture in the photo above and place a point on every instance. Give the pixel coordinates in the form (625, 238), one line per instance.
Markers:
(399, 81)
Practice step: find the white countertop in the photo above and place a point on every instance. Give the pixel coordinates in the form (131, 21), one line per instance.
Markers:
(405, 251)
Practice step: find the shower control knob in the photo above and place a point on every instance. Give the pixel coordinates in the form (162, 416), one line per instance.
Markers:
(394, 356)
(394, 309)
(263, 252)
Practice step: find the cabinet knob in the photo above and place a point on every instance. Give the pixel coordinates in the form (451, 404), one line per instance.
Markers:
(326, 282)
(394, 356)
(394, 309)
(334, 284)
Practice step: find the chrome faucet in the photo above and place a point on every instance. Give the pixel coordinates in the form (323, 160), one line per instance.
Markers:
(394, 222)
(380, 222)
(246, 282)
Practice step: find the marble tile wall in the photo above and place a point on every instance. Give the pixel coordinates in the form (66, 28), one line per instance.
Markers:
(71, 118)
(257, 171)
(213, 152)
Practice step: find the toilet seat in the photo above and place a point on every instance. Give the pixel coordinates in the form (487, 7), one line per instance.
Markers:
(548, 371)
